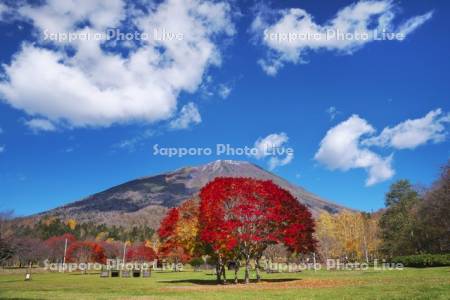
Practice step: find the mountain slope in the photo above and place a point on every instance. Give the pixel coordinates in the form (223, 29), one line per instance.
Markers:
(146, 199)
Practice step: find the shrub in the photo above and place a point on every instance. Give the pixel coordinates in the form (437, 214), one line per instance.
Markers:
(423, 260)
(196, 262)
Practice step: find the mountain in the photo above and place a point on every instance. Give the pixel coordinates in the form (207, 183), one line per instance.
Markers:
(145, 200)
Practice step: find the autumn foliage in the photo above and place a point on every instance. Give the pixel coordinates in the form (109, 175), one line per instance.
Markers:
(85, 252)
(168, 224)
(241, 211)
(178, 232)
(140, 253)
(348, 235)
(237, 218)
(243, 216)
(56, 246)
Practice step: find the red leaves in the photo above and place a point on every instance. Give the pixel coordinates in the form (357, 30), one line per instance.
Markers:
(59, 241)
(84, 252)
(238, 217)
(179, 232)
(56, 245)
(140, 253)
(168, 224)
(244, 212)
(176, 254)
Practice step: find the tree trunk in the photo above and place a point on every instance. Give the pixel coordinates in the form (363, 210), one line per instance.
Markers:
(236, 270)
(366, 250)
(224, 276)
(175, 268)
(247, 269)
(314, 261)
(218, 272)
(258, 276)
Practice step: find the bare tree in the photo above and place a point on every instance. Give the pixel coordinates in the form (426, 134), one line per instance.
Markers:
(6, 248)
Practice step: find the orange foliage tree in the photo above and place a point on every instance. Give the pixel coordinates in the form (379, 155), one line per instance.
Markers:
(178, 232)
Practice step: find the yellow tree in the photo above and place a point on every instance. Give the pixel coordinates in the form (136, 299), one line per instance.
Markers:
(178, 232)
(71, 223)
(350, 233)
(326, 235)
(186, 230)
(371, 236)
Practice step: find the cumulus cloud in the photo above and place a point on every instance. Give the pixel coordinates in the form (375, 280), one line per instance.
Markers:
(341, 149)
(363, 19)
(346, 146)
(189, 115)
(91, 83)
(40, 125)
(413, 133)
(269, 146)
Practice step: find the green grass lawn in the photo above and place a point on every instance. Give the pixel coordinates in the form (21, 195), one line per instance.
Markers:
(431, 283)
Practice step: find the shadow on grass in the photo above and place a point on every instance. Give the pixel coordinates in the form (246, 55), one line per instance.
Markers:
(229, 282)
(170, 271)
(87, 274)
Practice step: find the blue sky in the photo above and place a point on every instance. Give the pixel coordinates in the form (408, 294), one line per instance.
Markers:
(359, 115)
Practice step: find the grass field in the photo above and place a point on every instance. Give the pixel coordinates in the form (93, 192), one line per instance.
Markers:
(431, 283)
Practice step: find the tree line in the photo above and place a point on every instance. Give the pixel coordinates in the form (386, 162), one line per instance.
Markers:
(32, 243)
(49, 226)
(414, 221)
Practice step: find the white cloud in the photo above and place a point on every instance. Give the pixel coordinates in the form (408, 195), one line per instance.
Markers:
(332, 112)
(265, 145)
(40, 125)
(189, 115)
(271, 68)
(363, 17)
(276, 161)
(341, 149)
(210, 88)
(268, 146)
(132, 143)
(3, 9)
(413, 133)
(86, 83)
(224, 91)
(346, 146)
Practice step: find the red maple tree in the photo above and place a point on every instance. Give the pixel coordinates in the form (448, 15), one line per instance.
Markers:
(243, 216)
(86, 252)
(168, 224)
(56, 246)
